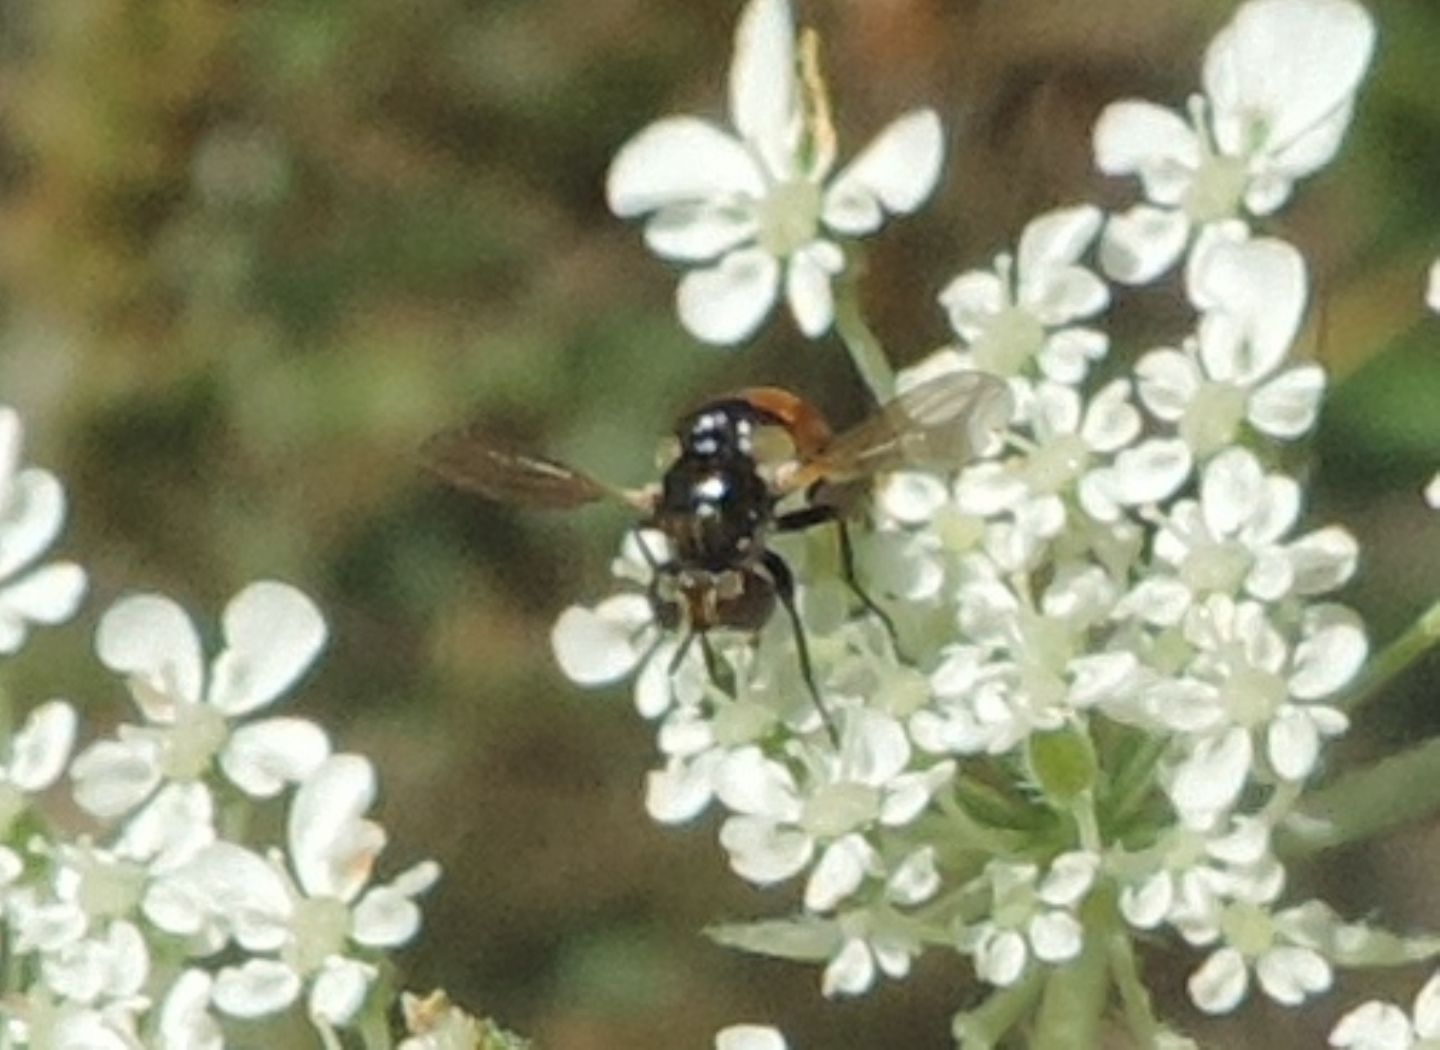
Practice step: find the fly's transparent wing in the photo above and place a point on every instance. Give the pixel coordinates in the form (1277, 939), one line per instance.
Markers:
(944, 422)
(464, 459)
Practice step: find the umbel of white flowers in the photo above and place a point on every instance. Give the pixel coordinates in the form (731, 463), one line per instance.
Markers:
(155, 929)
(1121, 658)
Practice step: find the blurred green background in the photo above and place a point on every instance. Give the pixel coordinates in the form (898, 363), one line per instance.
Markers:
(251, 253)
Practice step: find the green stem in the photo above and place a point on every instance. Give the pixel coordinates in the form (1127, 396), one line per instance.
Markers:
(1366, 803)
(864, 347)
(1077, 992)
(1134, 996)
(984, 1027)
(975, 835)
(374, 1024)
(1132, 785)
(1418, 639)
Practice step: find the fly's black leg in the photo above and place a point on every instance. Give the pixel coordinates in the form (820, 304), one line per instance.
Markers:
(680, 651)
(718, 671)
(821, 514)
(785, 591)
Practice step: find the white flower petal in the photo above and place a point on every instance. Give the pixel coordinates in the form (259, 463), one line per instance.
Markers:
(1000, 959)
(185, 1020)
(48, 595)
(1260, 286)
(1141, 244)
(725, 303)
(1291, 975)
(1057, 936)
(1069, 879)
(1232, 488)
(1212, 775)
(1146, 904)
(331, 846)
(1331, 654)
(762, 853)
(1140, 138)
(1322, 560)
(339, 989)
(1432, 287)
(41, 748)
(807, 287)
(32, 510)
(1427, 1009)
(1151, 471)
(700, 232)
(851, 972)
(764, 98)
(1373, 1026)
(600, 645)
(114, 776)
(263, 757)
(838, 873)
(273, 632)
(1286, 406)
(897, 171)
(1220, 983)
(749, 1037)
(1293, 744)
(150, 640)
(1284, 66)
(1168, 382)
(680, 161)
(256, 988)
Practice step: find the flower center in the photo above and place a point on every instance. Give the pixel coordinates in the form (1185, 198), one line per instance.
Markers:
(192, 741)
(838, 809)
(789, 217)
(1249, 929)
(1212, 417)
(1217, 567)
(1252, 696)
(958, 532)
(1010, 340)
(741, 723)
(1056, 463)
(1014, 906)
(1218, 188)
(112, 888)
(318, 930)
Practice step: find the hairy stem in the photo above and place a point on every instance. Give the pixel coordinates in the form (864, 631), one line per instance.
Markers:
(1418, 639)
(864, 347)
(1365, 803)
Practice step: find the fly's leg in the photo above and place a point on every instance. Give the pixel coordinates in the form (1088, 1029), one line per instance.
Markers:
(821, 514)
(784, 582)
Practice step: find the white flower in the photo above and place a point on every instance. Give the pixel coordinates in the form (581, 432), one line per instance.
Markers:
(1030, 916)
(307, 912)
(1246, 681)
(1024, 310)
(1280, 81)
(1184, 878)
(272, 634)
(1229, 541)
(1253, 296)
(1377, 1025)
(1432, 287)
(749, 1037)
(755, 213)
(783, 821)
(1279, 948)
(1432, 492)
(32, 511)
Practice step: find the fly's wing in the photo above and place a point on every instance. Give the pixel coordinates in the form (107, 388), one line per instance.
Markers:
(464, 459)
(944, 422)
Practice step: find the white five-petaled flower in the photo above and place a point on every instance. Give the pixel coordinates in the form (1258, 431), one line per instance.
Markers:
(32, 511)
(1280, 82)
(1281, 948)
(272, 634)
(299, 915)
(1030, 916)
(754, 212)
(1230, 540)
(1377, 1025)
(782, 821)
(879, 938)
(1248, 682)
(1252, 294)
(1025, 308)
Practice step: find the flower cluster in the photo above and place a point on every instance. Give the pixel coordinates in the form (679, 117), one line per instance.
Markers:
(1117, 658)
(162, 921)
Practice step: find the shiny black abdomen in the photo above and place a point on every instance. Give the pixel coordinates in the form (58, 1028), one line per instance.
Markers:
(714, 512)
(714, 505)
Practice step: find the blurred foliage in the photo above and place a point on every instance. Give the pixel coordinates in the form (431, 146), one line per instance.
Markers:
(251, 253)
